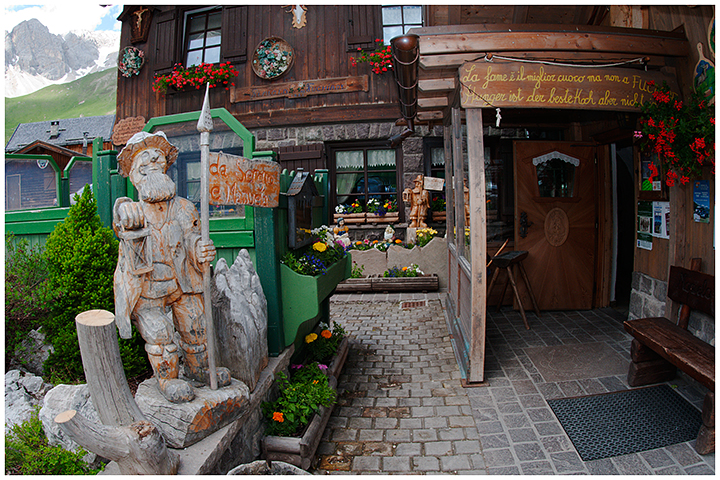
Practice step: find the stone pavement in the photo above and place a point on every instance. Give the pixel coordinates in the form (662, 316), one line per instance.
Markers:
(404, 410)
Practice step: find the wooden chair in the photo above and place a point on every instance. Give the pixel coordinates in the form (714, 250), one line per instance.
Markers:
(507, 261)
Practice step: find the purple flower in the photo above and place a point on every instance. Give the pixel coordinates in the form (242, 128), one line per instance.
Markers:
(296, 367)
(322, 367)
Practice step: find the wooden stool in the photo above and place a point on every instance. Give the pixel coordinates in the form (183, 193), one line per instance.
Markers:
(506, 261)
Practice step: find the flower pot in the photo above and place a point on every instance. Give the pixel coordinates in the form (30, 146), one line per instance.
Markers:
(350, 217)
(261, 467)
(300, 451)
(303, 294)
(390, 217)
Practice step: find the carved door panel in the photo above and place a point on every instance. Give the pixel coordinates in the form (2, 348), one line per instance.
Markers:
(555, 221)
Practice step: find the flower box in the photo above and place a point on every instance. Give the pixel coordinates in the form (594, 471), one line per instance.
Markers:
(303, 294)
(424, 283)
(439, 216)
(350, 217)
(300, 451)
(390, 217)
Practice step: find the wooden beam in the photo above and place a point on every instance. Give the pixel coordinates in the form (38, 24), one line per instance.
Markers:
(434, 63)
(432, 102)
(437, 84)
(581, 40)
(433, 115)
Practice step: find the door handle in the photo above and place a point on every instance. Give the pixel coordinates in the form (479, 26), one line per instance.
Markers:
(524, 224)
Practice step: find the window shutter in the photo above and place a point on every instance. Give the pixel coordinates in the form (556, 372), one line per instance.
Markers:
(165, 42)
(307, 157)
(364, 26)
(234, 34)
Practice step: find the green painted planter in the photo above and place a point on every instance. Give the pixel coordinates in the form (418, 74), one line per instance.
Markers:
(302, 295)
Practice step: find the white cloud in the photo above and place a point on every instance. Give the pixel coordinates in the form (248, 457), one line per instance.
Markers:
(63, 17)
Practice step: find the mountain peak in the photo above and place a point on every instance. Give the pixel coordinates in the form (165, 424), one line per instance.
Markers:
(36, 58)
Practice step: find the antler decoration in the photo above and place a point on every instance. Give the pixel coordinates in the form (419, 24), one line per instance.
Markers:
(298, 13)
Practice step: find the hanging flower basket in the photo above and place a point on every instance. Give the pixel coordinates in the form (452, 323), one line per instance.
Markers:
(682, 134)
(272, 58)
(131, 61)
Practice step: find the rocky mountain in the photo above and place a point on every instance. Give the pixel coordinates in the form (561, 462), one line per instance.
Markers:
(36, 58)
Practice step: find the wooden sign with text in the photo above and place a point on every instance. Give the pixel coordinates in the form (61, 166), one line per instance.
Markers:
(525, 85)
(127, 127)
(300, 89)
(240, 181)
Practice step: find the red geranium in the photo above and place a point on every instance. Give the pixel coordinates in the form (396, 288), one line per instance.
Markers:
(196, 77)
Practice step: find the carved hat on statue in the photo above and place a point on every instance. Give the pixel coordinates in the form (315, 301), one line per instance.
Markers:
(141, 141)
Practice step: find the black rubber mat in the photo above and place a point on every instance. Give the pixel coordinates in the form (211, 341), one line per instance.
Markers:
(613, 424)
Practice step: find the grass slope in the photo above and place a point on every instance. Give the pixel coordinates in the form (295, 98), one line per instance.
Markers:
(89, 96)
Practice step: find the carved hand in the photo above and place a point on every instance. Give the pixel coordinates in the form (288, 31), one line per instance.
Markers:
(205, 251)
(130, 215)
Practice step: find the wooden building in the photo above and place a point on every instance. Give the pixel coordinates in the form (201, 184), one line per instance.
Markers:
(491, 102)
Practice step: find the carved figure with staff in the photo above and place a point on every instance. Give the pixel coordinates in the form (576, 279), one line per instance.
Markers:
(159, 278)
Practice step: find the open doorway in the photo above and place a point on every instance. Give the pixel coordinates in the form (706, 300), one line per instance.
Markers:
(624, 221)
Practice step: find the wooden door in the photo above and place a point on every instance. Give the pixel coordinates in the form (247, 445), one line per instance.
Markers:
(555, 221)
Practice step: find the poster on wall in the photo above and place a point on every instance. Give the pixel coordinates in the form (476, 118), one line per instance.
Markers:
(661, 219)
(644, 225)
(701, 201)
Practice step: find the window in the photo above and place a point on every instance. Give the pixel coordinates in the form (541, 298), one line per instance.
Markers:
(203, 37)
(398, 19)
(365, 173)
(434, 153)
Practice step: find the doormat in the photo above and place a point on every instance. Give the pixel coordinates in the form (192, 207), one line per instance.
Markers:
(613, 424)
(561, 363)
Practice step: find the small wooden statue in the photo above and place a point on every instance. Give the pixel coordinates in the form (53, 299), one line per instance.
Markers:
(158, 279)
(419, 200)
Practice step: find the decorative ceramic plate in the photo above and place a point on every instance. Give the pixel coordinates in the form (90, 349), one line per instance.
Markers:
(272, 58)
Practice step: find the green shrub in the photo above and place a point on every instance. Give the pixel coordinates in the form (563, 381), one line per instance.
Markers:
(27, 453)
(27, 292)
(81, 256)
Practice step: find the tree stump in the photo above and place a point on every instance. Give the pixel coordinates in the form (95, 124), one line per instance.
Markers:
(125, 435)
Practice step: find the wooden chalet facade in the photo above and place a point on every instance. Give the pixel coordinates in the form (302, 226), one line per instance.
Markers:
(327, 112)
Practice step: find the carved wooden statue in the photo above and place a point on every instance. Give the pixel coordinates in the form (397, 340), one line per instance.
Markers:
(158, 279)
(419, 200)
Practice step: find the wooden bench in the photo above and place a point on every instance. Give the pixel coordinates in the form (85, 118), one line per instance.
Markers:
(660, 346)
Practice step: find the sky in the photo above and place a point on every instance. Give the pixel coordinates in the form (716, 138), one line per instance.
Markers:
(63, 17)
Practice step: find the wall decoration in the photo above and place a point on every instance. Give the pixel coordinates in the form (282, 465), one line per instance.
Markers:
(704, 75)
(126, 128)
(140, 24)
(299, 19)
(711, 36)
(272, 58)
(131, 61)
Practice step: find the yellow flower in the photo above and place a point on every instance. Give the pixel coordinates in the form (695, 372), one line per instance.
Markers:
(319, 246)
(326, 334)
(311, 338)
(278, 417)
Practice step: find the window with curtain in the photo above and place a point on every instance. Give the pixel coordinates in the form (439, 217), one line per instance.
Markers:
(365, 173)
(398, 19)
(203, 37)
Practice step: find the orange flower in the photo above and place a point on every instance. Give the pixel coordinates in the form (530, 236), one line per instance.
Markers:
(326, 334)
(398, 241)
(278, 417)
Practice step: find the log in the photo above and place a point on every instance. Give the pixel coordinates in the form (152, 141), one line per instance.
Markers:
(103, 367)
(124, 435)
(138, 448)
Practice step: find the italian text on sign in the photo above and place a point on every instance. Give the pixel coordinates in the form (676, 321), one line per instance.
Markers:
(240, 181)
(526, 85)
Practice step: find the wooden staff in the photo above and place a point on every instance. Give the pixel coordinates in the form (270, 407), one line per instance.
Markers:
(205, 126)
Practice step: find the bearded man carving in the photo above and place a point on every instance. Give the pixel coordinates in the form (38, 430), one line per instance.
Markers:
(166, 298)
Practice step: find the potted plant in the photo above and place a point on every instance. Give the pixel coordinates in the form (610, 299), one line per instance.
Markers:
(309, 275)
(297, 419)
(682, 134)
(196, 77)
(350, 213)
(437, 207)
(382, 212)
(380, 60)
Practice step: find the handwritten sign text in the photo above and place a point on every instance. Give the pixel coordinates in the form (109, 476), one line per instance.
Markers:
(526, 85)
(240, 181)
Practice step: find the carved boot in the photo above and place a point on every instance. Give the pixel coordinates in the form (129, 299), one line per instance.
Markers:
(196, 366)
(164, 360)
